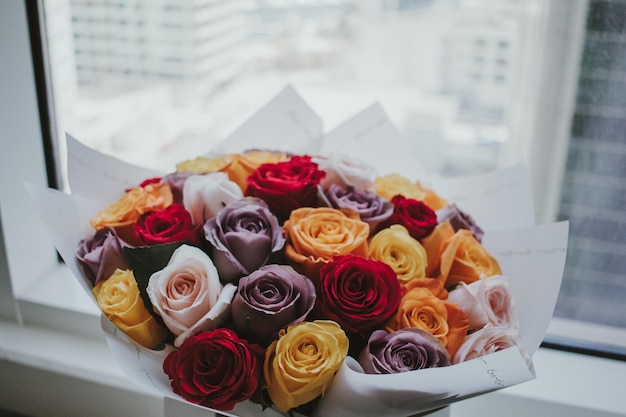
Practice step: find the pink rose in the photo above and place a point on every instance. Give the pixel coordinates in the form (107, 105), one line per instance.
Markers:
(486, 301)
(188, 295)
(488, 340)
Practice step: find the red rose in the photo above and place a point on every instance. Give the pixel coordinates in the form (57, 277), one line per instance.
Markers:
(415, 215)
(172, 224)
(286, 186)
(358, 293)
(215, 369)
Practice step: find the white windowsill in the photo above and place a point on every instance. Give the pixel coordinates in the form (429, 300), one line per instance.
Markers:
(58, 344)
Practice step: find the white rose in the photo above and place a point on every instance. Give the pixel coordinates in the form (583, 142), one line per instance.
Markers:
(188, 295)
(205, 195)
(488, 300)
(343, 170)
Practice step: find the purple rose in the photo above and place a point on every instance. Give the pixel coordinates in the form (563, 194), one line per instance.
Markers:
(176, 181)
(243, 234)
(404, 350)
(459, 220)
(100, 254)
(372, 208)
(269, 299)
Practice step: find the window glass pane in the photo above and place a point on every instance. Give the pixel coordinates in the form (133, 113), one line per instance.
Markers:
(593, 196)
(155, 82)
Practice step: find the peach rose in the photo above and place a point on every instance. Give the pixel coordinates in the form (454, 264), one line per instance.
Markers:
(405, 255)
(316, 235)
(119, 299)
(432, 199)
(464, 259)
(122, 214)
(300, 365)
(445, 320)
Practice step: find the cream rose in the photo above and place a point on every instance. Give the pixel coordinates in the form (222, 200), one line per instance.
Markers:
(188, 295)
(205, 195)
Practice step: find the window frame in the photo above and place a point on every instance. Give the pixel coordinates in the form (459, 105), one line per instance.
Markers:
(563, 23)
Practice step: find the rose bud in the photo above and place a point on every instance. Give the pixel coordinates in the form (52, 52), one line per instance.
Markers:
(205, 195)
(188, 295)
(404, 350)
(215, 369)
(459, 220)
(243, 235)
(286, 186)
(358, 293)
(100, 254)
(372, 208)
(120, 301)
(271, 298)
(172, 224)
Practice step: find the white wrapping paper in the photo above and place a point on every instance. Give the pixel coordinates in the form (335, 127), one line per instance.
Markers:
(532, 256)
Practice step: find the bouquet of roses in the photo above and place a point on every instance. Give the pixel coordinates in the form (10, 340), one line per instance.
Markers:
(271, 278)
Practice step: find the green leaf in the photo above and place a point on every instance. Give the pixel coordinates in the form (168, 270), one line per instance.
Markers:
(145, 261)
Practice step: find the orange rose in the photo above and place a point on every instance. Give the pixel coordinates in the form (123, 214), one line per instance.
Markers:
(445, 320)
(122, 214)
(241, 166)
(316, 235)
(434, 244)
(464, 259)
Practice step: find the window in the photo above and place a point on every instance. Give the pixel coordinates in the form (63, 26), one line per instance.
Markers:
(323, 49)
(596, 128)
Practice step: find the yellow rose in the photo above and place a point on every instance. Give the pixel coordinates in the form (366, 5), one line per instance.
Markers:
(122, 214)
(241, 166)
(300, 365)
(119, 300)
(391, 185)
(316, 235)
(202, 165)
(405, 255)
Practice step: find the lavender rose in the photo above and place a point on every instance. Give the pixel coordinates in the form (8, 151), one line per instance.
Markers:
(176, 181)
(243, 234)
(271, 298)
(459, 220)
(372, 208)
(100, 254)
(404, 350)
